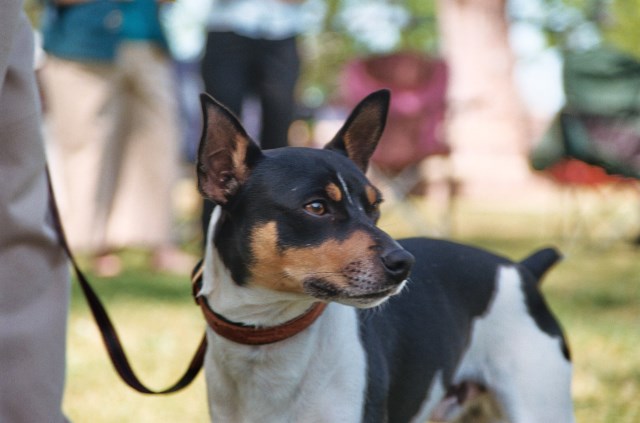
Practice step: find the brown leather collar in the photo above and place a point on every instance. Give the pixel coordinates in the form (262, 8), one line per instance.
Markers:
(252, 335)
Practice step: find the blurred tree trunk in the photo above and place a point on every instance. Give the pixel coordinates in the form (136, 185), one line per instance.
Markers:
(487, 125)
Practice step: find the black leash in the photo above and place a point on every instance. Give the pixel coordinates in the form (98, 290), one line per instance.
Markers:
(108, 331)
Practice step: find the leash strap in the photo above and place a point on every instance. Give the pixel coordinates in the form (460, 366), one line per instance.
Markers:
(107, 330)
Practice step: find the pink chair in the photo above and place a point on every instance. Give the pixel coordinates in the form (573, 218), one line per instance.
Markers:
(415, 126)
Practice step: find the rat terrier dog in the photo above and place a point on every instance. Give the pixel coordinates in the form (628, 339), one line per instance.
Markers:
(308, 318)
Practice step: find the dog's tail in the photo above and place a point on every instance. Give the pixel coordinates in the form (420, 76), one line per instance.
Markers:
(541, 261)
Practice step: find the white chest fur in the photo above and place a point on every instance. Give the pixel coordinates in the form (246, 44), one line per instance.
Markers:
(316, 376)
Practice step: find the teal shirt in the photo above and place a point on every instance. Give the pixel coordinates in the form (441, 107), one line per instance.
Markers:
(141, 21)
(82, 32)
(91, 31)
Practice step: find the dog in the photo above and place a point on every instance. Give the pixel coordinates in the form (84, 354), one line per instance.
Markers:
(317, 315)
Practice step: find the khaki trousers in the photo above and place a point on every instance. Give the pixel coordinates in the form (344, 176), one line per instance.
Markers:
(34, 280)
(114, 147)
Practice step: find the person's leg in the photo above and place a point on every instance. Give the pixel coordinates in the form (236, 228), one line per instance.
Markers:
(142, 211)
(34, 279)
(280, 67)
(80, 124)
(226, 68)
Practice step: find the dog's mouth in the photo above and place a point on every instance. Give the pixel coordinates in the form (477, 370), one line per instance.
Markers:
(357, 297)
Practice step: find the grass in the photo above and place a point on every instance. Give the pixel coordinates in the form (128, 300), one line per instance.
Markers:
(595, 292)
(160, 328)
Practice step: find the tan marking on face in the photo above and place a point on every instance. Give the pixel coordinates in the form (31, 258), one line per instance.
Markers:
(334, 192)
(267, 269)
(330, 260)
(286, 271)
(372, 194)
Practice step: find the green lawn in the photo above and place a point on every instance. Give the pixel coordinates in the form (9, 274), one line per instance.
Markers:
(595, 292)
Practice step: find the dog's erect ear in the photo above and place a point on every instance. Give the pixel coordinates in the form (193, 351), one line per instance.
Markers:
(359, 135)
(226, 153)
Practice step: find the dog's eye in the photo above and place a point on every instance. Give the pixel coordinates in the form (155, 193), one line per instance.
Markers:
(317, 208)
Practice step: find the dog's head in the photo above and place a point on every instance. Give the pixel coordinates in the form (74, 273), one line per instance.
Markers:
(302, 220)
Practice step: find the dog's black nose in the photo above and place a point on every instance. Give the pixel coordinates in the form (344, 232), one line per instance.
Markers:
(397, 263)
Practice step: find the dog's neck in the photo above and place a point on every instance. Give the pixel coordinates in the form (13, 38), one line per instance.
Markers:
(248, 304)
(240, 378)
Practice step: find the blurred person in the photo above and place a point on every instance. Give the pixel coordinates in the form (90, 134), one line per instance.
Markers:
(113, 119)
(34, 279)
(251, 50)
